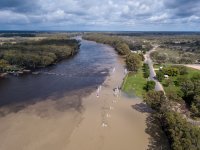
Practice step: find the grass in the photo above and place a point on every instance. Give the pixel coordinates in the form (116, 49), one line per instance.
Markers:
(134, 83)
(192, 71)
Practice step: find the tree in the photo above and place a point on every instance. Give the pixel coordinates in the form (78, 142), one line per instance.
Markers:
(173, 96)
(133, 62)
(155, 99)
(182, 69)
(187, 87)
(122, 48)
(33, 54)
(195, 106)
(170, 71)
(3, 65)
(182, 135)
(146, 70)
(150, 85)
(160, 76)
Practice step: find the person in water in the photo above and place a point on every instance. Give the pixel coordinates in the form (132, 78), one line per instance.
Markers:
(113, 70)
(98, 90)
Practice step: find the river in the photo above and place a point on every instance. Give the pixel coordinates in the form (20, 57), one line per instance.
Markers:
(82, 73)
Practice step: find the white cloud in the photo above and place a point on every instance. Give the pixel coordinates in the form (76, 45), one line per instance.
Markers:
(110, 13)
(7, 16)
(159, 18)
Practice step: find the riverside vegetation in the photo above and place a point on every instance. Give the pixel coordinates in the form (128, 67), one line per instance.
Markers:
(35, 54)
(181, 134)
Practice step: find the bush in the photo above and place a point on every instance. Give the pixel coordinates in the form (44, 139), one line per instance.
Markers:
(170, 71)
(3, 65)
(173, 96)
(160, 76)
(146, 70)
(182, 69)
(150, 85)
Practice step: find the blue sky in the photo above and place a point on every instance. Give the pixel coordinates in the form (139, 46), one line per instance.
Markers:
(116, 15)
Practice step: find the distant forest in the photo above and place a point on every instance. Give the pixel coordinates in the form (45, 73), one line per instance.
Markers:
(34, 54)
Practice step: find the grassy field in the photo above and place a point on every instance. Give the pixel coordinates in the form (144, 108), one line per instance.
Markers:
(134, 83)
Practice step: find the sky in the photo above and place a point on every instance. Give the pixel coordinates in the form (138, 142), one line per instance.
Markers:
(100, 15)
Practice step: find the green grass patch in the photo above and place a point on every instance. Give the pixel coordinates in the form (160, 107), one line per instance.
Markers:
(156, 66)
(192, 71)
(134, 83)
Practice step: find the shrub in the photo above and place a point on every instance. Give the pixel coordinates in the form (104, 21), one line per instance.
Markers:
(173, 96)
(182, 69)
(170, 71)
(146, 70)
(3, 65)
(160, 76)
(150, 85)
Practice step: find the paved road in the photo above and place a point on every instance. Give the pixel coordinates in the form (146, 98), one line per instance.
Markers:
(148, 60)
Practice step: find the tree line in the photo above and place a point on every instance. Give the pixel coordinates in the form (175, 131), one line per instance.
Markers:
(181, 134)
(123, 47)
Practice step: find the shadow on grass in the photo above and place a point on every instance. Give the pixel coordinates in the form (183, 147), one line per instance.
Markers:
(157, 138)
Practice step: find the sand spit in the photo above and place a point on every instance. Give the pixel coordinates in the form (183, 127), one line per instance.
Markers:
(106, 122)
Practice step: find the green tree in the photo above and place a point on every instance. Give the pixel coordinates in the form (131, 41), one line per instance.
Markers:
(122, 48)
(146, 70)
(3, 65)
(150, 85)
(160, 76)
(155, 99)
(182, 135)
(170, 71)
(187, 87)
(133, 62)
